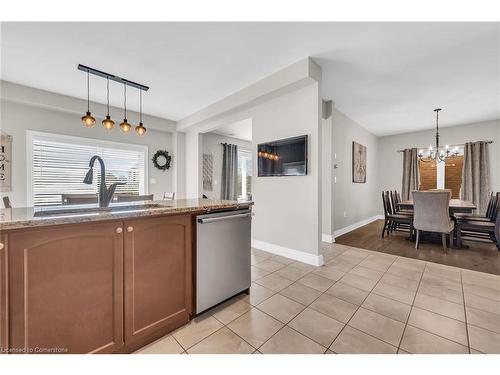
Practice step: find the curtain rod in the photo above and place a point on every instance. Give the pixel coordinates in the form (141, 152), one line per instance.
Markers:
(227, 143)
(450, 146)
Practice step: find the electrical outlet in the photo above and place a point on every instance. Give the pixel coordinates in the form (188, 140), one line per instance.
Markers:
(345, 214)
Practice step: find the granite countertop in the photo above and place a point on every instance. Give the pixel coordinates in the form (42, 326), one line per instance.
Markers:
(27, 217)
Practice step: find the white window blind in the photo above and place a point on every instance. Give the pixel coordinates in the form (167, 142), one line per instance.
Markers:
(58, 164)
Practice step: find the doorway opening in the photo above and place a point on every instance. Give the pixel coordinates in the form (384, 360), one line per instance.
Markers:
(229, 177)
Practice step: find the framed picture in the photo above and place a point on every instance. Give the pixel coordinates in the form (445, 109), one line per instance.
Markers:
(358, 163)
(208, 171)
(5, 163)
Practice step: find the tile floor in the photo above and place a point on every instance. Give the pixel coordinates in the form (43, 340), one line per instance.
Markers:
(360, 301)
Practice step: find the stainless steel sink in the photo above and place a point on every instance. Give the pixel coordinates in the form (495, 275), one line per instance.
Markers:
(82, 210)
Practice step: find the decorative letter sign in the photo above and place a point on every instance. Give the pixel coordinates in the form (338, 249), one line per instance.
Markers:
(5, 162)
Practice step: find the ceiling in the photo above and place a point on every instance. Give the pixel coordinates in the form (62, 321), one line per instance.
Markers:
(386, 76)
(240, 130)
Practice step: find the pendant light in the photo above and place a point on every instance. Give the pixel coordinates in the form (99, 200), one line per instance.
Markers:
(88, 120)
(125, 126)
(107, 123)
(140, 129)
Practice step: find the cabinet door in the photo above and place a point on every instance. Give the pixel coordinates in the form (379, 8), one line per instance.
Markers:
(3, 294)
(158, 277)
(66, 288)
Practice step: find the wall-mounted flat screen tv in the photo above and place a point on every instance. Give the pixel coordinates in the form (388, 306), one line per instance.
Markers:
(284, 157)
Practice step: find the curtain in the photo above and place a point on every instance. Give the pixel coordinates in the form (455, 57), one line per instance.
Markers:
(229, 172)
(410, 173)
(475, 175)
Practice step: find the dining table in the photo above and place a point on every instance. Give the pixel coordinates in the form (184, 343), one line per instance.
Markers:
(456, 206)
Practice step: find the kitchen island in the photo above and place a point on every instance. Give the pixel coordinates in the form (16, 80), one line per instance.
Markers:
(79, 279)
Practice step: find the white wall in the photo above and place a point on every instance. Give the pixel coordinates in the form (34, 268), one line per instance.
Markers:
(288, 209)
(391, 162)
(178, 165)
(327, 185)
(353, 202)
(21, 114)
(212, 145)
(194, 164)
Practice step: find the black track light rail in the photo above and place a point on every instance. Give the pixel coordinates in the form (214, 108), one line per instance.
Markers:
(112, 77)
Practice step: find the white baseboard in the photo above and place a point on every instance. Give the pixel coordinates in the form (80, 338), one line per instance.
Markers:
(357, 225)
(315, 260)
(330, 238)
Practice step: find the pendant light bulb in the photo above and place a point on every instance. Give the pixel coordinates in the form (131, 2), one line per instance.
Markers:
(88, 120)
(125, 126)
(107, 123)
(140, 129)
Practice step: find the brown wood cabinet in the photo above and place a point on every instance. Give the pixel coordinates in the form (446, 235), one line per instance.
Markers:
(66, 288)
(102, 287)
(158, 277)
(3, 294)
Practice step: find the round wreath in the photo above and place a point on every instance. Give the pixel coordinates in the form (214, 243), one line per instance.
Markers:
(157, 155)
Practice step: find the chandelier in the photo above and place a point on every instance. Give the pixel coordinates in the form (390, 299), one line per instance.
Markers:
(108, 124)
(438, 154)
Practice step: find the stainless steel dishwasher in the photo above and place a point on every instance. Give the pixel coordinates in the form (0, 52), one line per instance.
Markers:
(223, 248)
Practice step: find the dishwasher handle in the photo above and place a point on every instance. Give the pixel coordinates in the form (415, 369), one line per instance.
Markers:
(222, 218)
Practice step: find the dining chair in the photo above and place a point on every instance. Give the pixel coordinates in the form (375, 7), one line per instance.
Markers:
(169, 195)
(6, 202)
(132, 198)
(481, 230)
(432, 214)
(78, 198)
(396, 199)
(490, 214)
(394, 221)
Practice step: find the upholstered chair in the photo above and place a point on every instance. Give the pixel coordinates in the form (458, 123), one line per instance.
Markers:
(431, 214)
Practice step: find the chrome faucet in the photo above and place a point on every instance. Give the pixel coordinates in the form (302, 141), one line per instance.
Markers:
(105, 193)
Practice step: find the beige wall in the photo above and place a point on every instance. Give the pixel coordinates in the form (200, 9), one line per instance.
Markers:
(353, 202)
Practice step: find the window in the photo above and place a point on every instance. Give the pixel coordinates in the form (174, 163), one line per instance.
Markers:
(446, 175)
(57, 165)
(244, 174)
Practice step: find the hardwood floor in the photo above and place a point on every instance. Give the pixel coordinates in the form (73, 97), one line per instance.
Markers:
(482, 257)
